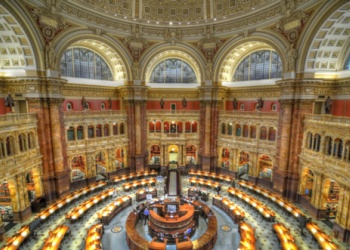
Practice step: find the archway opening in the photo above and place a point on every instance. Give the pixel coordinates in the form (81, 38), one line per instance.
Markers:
(173, 154)
(191, 154)
(265, 167)
(154, 156)
(101, 166)
(78, 168)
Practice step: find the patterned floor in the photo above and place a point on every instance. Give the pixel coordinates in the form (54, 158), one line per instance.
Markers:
(227, 239)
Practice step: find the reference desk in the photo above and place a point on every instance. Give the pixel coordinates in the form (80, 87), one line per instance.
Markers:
(214, 176)
(247, 236)
(142, 194)
(56, 237)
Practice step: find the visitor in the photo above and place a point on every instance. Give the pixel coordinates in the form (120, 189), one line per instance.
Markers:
(146, 215)
(218, 188)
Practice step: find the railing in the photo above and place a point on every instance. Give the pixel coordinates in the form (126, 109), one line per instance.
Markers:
(88, 113)
(328, 119)
(255, 114)
(11, 119)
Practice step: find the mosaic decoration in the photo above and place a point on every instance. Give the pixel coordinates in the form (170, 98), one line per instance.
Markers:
(225, 228)
(117, 229)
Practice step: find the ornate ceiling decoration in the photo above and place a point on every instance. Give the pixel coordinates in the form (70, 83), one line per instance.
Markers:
(329, 43)
(15, 49)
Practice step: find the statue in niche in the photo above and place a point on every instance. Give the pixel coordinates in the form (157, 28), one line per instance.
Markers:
(209, 70)
(328, 105)
(9, 101)
(234, 103)
(292, 56)
(161, 103)
(84, 103)
(260, 103)
(136, 70)
(184, 102)
(50, 56)
(110, 103)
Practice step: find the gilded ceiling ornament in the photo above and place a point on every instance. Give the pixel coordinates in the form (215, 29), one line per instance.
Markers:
(173, 35)
(49, 20)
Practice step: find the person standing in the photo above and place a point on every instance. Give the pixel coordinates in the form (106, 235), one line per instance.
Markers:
(218, 188)
(146, 215)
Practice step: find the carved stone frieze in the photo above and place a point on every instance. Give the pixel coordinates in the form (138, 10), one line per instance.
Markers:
(291, 26)
(135, 43)
(257, 91)
(89, 91)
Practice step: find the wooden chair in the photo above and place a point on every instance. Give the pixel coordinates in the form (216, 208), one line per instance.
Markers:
(184, 245)
(154, 245)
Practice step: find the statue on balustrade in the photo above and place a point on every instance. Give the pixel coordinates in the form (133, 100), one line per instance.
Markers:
(110, 103)
(260, 104)
(84, 103)
(328, 105)
(234, 103)
(9, 101)
(184, 102)
(161, 103)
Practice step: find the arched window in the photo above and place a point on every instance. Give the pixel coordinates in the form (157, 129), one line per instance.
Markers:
(309, 140)
(10, 145)
(84, 63)
(22, 140)
(173, 71)
(263, 133)
(151, 127)
(317, 142)
(121, 128)
(91, 133)
(69, 106)
(166, 127)
(70, 134)
(272, 134)
(229, 129)
(347, 151)
(80, 133)
(31, 142)
(328, 145)
(245, 130)
(223, 128)
(338, 148)
(2, 149)
(179, 127)
(99, 130)
(252, 131)
(263, 64)
(238, 130)
(194, 127)
(274, 107)
(347, 63)
(106, 130)
(115, 128)
(241, 106)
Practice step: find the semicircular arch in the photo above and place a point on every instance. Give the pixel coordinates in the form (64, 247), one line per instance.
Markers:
(104, 46)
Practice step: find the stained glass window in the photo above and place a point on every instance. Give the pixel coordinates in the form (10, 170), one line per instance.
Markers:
(84, 63)
(173, 71)
(262, 64)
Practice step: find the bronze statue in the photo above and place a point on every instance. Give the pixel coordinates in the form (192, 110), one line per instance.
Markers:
(84, 103)
(184, 102)
(234, 103)
(328, 105)
(110, 103)
(260, 103)
(161, 103)
(9, 101)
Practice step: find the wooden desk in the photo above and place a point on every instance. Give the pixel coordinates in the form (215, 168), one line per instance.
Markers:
(141, 194)
(154, 245)
(134, 240)
(111, 210)
(236, 213)
(15, 241)
(184, 245)
(56, 237)
(284, 236)
(136, 184)
(94, 237)
(195, 181)
(265, 211)
(247, 236)
(324, 241)
(210, 175)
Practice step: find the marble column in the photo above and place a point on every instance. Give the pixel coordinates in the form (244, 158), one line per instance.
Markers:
(205, 118)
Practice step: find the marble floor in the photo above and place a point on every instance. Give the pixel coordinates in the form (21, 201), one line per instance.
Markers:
(228, 239)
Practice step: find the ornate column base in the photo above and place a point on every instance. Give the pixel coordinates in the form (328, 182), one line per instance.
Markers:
(292, 188)
(22, 215)
(140, 163)
(50, 189)
(205, 161)
(91, 180)
(341, 233)
(62, 182)
(279, 182)
(313, 211)
(253, 179)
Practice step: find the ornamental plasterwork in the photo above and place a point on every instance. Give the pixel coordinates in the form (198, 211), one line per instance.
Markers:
(175, 94)
(209, 45)
(49, 20)
(291, 26)
(257, 91)
(135, 43)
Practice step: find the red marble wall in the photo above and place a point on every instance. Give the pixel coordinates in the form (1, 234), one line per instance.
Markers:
(341, 108)
(2, 106)
(93, 104)
(155, 105)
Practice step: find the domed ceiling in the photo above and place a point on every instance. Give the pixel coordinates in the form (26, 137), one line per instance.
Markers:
(176, 11)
